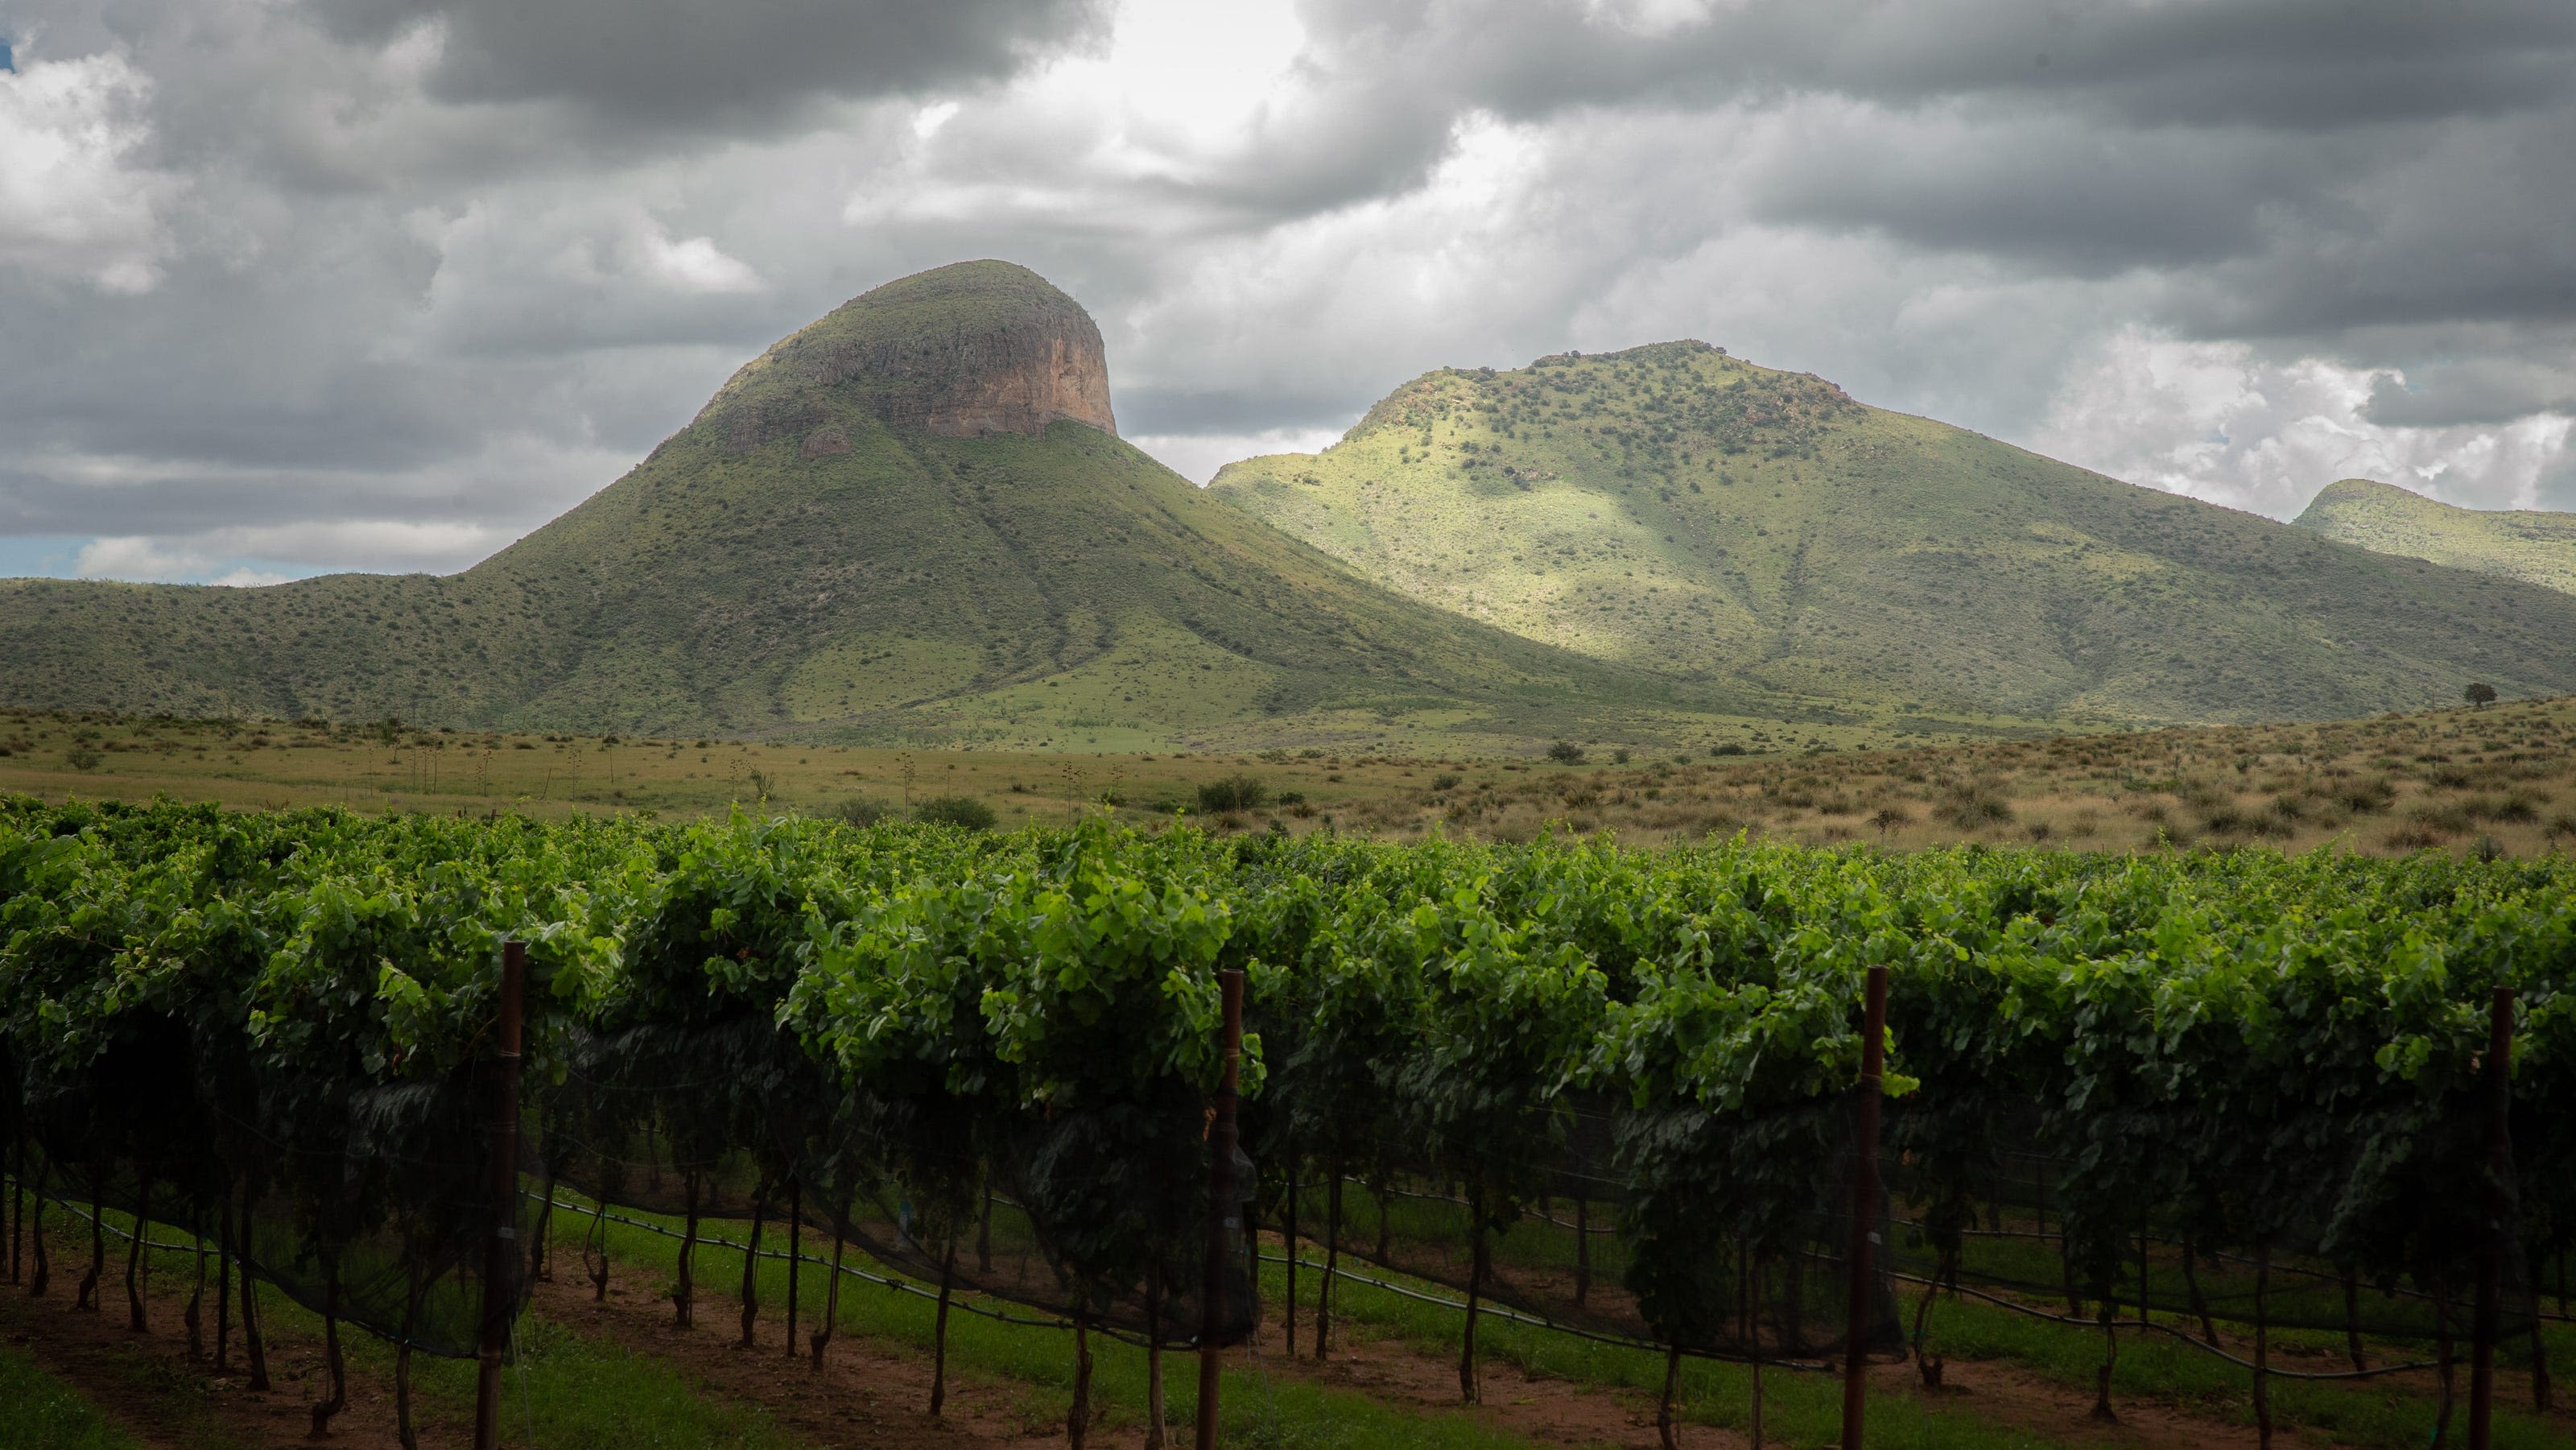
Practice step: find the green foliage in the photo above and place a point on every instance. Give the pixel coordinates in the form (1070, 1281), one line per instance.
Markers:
(2480, 695)
(2171, 1028)
(1565, 752)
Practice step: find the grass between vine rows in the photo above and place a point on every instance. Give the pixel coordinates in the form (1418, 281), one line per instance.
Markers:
(572, 1390)
(38, 1410)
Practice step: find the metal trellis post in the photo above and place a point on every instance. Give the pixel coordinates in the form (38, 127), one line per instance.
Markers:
(1223, 1210)
(501, 1249)
(1864, 1225)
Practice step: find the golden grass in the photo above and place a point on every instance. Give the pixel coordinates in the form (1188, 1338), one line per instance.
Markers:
(2500, 779)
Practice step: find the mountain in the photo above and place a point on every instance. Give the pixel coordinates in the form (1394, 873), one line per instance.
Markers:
(912, 520)
(2532, 545)
(1674, 508)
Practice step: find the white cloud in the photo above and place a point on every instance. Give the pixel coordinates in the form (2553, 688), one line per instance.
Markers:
(138, 561)
(2217, 421)
(694, 265)
(251, 556)
(1198, 456)
(72, 201)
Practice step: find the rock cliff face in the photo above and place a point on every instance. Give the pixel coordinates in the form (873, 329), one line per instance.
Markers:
(962, 350)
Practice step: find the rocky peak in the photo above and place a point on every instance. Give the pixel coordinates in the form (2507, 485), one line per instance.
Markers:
(963, 350)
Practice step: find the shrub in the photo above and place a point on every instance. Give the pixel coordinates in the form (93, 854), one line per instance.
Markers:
(1292, 797)
(861, 810)
(2480, 695)
(1565, 752)
(2519, 806)
(1729, 748)
(1970, 805)
(1619, 756)
(81, 757)
(1438, 782)
(1234, 793)
(962, 811)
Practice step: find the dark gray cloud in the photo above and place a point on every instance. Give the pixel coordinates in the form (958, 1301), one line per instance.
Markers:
(684, 65)
(292, 274)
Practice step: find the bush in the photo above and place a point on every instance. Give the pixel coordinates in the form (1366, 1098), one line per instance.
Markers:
(1619, 756)
(1969, 806)
(863, 810)
(1729, 748)
(1565, 752)
(962, 811)
(1443, 782)
(81, 757)
(1234, 793)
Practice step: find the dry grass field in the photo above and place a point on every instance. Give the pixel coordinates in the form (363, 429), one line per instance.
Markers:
(2501, 778)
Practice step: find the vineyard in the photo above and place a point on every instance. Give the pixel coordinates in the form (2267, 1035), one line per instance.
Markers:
(1621, 1094)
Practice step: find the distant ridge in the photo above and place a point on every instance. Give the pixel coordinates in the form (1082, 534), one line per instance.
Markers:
(2532, 545)
(1679, 510)
(911, 520)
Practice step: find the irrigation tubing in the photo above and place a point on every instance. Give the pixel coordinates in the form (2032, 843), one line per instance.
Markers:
(901, 1286)
(1487, 1307)
(2202, 1345)
(2393, 1291)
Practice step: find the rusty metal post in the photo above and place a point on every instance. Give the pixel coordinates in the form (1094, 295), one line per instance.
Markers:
(2491, 1250)
(501, 1248)
(1864, 1227)
(1223, 1211)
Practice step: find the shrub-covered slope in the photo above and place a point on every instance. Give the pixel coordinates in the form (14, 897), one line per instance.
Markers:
(1678, 509)
(888, 526)
(2533, 545)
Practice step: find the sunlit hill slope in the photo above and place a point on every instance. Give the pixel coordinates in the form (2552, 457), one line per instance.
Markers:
(1676, 509)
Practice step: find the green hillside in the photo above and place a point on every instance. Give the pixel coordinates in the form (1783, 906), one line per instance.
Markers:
(808, 558)
(2532, 545)
(1676, 509)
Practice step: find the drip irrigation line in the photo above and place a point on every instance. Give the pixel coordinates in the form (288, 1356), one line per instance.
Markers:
(901, 1286)
(2389, 1291)
(248, 1266)
(1487, 1307)
(1454, 1201)
(2204, 1346)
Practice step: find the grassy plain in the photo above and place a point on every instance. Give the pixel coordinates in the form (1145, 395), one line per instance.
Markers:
(2500, 778)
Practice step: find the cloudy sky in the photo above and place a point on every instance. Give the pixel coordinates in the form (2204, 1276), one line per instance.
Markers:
(297, 285)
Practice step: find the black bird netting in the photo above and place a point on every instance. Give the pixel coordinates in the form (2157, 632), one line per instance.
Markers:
(1667, 1230)
(372, 1208)
(2209, 1253)
(1099, 1217)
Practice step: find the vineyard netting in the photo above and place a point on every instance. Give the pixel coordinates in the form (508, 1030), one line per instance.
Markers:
(1610, 1090)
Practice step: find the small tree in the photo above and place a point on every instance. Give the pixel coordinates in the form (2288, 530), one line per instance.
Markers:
(1565, 752)
(2479, 694)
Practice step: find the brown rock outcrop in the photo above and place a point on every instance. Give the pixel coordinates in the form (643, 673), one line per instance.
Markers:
(964, 350)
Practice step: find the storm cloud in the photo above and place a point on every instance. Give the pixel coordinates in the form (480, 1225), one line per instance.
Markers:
(385, 283)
